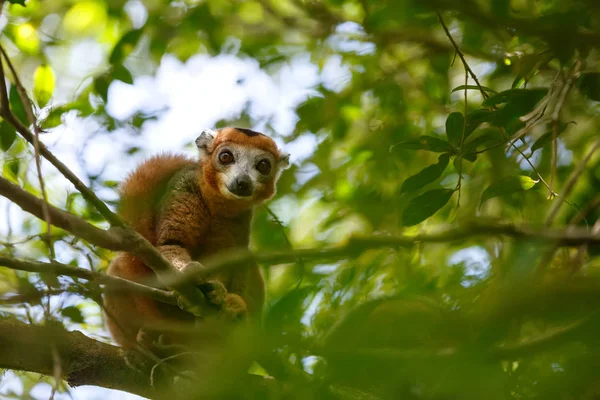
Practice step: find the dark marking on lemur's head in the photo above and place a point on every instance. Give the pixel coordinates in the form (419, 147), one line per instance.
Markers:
(249, 132)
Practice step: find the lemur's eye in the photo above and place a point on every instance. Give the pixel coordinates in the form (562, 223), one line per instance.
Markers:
(226, 157)
(263, 166)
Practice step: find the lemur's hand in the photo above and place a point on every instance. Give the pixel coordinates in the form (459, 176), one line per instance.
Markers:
(231, 305)
(214, 290)
(234, 307)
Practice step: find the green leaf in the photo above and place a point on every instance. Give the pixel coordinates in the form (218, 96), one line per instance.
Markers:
(73, 313)
(54, 117)
(488, 137)
(282, 315)
(122, 74)
(455, 126)
(518, 82)
(43, 84)
(111, 184)
(500, 7)
(518, 95)
(547, 137)
(19, 2)
(8, 134)
(101, 84)
(528, 65)
(476, 118)
(470, 156)
(125, 46)
(473, 87)
(508, 184)
(424, 206)
(14, 166)
(312, 114)
(10, 170)
(17, 106)
(426, 175)
(428, 143)
(542, 141)
(590, 85)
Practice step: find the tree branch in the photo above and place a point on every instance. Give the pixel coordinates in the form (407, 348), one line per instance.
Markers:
(111, 283)
(571, 236)
(107, 239)
(85, 361)
(536, 344)
(113, 239)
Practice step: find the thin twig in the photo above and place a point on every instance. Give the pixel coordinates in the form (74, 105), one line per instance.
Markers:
(183, 374)
(462, 57)
(487, 148)
(552, 194)
(34, 296)
(57, 370)
(462, 143)
(27, 239)
(589, 207)
(112, 283)
(571, 182)
(573, 75)
(282, 227)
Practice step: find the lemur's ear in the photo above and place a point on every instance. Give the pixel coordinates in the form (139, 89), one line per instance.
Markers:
(204, 142)
(284, 160)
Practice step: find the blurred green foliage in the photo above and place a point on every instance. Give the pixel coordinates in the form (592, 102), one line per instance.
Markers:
(404, 142)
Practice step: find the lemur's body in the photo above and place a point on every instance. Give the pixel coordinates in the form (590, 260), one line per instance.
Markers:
(190, 210)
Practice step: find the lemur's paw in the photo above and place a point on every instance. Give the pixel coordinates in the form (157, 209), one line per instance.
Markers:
(166, 344)
(234, 308)
(144, 338)
(215, 292)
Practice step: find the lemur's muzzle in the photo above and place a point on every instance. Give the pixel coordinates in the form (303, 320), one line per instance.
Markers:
(241, 186)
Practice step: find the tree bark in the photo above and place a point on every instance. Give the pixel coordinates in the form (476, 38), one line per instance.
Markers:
(84, 361)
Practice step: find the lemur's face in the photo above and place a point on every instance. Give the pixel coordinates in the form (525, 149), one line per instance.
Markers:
(244, 165)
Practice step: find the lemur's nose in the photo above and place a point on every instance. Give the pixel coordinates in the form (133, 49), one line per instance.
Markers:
(242, 186)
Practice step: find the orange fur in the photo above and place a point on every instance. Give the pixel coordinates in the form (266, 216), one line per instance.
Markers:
(235, 136)
(142, 187)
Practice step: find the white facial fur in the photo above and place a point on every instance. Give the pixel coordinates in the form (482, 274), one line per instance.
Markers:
(245, 161)
(243, 166)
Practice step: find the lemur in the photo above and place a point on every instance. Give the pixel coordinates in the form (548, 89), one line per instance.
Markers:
(191, 210)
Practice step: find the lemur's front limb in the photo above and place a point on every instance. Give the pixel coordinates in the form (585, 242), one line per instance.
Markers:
(181, 226)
